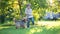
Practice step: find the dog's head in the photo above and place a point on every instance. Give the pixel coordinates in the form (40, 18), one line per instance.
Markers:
(24, 19)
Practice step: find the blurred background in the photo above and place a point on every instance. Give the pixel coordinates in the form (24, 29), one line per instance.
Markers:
(46, 13)
(42, 9)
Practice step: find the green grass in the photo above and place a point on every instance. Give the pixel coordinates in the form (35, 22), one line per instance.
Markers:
(31, 30)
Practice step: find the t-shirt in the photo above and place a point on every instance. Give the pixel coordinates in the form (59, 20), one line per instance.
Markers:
(28, 12)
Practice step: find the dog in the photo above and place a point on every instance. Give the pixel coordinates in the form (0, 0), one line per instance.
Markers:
(20, 23)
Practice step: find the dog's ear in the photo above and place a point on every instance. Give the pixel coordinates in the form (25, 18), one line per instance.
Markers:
(24, 20)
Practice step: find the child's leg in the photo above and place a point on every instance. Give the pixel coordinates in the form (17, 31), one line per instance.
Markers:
(32, 19)
(28, 23)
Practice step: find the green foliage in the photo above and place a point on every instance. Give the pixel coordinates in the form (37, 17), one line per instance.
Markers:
(16, 8)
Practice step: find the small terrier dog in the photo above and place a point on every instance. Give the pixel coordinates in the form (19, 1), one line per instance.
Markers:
(20, 23)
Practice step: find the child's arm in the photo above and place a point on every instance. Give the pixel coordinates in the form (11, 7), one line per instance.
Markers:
(26, 11)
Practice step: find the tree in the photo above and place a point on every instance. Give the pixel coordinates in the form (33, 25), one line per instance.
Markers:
(3, 5)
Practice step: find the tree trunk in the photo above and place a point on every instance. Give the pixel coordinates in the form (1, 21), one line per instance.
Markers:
(19, 2)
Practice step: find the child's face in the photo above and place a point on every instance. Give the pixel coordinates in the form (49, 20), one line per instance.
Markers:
(28, 7)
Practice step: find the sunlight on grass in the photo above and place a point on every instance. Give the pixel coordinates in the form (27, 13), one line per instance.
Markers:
(3, 27)
(33, 30)
(8, 23)
(49, 24)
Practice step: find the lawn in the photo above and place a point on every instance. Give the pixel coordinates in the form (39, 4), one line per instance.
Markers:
(42, 27)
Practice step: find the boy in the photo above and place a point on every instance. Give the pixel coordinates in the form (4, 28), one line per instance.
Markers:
(28, 12)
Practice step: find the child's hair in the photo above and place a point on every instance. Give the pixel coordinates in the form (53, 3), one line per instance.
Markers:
(28, 4)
